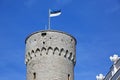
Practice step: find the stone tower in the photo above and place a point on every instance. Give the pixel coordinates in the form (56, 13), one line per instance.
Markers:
(50, 55)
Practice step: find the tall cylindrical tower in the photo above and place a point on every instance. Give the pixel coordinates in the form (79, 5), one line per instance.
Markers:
(50, 55)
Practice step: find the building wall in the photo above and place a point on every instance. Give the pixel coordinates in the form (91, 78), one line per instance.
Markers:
(50, 55)
(115, 75)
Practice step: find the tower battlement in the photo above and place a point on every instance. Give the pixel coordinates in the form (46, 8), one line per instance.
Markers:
(46, 51)
(50, 55)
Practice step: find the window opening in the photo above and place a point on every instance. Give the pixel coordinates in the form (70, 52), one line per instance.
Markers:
(34, 75)
(68, 76)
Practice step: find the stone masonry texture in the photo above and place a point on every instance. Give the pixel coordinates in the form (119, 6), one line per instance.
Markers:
(50, 55)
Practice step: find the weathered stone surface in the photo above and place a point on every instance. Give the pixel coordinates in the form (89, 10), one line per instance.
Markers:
(50, 55)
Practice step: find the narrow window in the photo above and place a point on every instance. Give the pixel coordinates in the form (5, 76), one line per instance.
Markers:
(34, 75)
(68, 76)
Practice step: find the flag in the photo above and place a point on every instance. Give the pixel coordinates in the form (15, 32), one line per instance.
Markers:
(54, 13)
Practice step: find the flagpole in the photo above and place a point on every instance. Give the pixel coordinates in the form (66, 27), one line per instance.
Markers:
(49, 21)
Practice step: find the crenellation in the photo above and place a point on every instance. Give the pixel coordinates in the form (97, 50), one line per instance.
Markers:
(56, 50)
(70, 56)
(50, 51)
(66, 54)
(74, 59)
(43, 51)
(29, 55)
(62, 51)
(32, 53)
(37, 50)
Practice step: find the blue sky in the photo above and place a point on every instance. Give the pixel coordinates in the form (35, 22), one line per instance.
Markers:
(94, 23)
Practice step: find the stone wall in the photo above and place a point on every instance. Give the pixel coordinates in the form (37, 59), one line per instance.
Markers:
(50, 55)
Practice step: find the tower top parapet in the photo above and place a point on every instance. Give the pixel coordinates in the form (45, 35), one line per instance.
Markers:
(42, 31)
